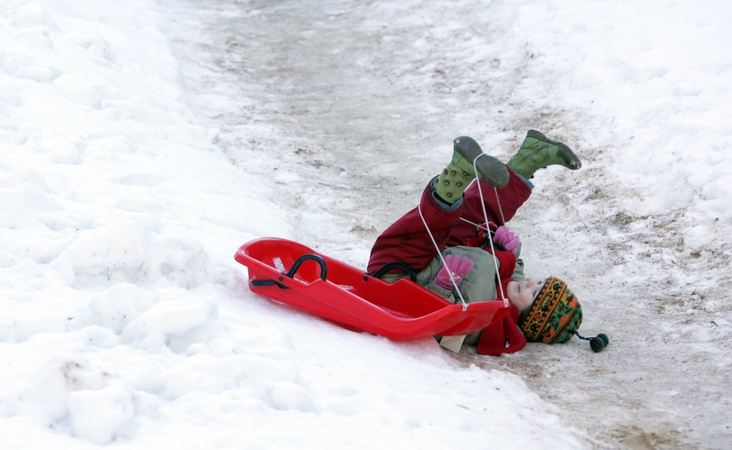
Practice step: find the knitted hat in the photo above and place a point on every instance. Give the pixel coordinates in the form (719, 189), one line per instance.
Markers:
(555, 315)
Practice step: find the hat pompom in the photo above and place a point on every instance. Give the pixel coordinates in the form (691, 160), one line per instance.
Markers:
(597, 344)
(604, 338)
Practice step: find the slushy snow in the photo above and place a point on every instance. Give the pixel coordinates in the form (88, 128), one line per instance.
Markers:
(144, 141)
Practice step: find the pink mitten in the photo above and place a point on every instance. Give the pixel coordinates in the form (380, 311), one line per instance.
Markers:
(459, 266)
(506, 239)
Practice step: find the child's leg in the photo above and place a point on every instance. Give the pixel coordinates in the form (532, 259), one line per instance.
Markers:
(458, 175)
(538, 152)
(407, 239)
(499, 210)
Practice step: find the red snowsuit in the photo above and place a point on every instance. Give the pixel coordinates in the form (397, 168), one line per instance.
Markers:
(408, 241)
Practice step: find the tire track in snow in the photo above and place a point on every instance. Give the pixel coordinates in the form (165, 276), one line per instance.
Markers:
(347, 108)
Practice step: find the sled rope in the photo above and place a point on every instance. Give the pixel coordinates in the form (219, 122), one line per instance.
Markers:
(439, 253)
(493, 250)
(485, 217)
(477, 225)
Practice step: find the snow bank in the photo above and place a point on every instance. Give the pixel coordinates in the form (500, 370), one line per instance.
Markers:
(124, 318)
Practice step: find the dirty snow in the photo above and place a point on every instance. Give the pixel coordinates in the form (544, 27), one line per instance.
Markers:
(143, 141)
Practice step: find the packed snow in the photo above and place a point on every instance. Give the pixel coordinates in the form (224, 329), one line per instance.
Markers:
(144, 141)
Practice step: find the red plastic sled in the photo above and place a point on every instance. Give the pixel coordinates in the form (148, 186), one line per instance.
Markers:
(292, 273)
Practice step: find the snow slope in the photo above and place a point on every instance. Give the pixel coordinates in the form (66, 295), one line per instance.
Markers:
(144, 141)
(124, 317)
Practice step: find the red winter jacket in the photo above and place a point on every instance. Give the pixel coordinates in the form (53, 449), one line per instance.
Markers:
(408, 241)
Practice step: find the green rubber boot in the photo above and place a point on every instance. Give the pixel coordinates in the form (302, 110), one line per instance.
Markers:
(538, 152)
(458, 175)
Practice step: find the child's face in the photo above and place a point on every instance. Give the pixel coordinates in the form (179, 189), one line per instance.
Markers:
(522, 294)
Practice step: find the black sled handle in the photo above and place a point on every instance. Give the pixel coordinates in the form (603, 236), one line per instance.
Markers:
(396, 265)
(293, 270)
(317, 258)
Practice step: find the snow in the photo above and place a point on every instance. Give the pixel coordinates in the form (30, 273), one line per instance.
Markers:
(143, 141)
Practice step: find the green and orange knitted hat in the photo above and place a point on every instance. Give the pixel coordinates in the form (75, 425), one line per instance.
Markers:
(555, 315)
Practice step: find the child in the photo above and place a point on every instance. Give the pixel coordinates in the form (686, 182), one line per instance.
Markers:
(448, 220)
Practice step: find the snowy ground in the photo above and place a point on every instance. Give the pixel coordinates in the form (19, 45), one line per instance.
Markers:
(144, 141)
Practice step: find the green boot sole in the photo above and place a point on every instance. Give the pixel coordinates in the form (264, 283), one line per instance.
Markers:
(490, 169)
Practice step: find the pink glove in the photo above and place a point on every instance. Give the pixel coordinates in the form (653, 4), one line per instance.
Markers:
(506, 239)
(459, 266)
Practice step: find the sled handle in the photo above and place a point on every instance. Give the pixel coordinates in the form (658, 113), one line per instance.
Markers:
(317, 258)
(396, 265)
(293, 270)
